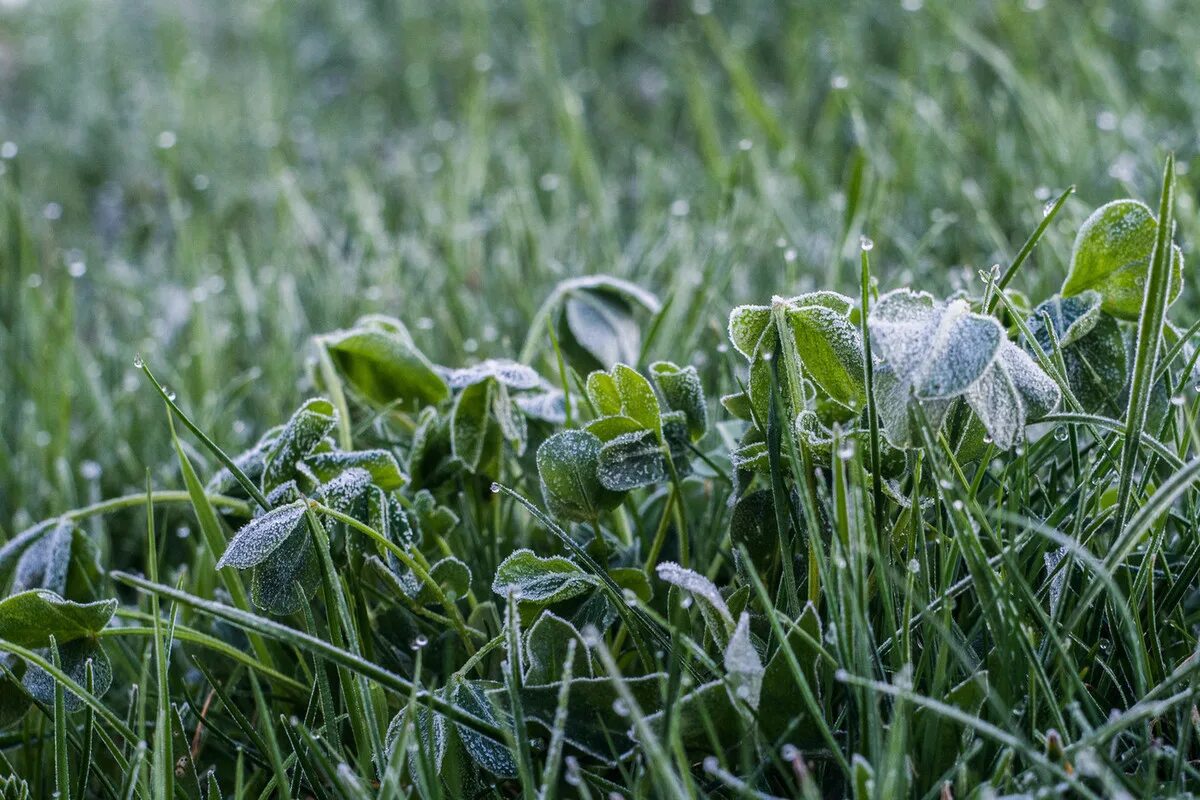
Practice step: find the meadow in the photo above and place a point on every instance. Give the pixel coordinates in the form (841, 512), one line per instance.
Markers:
(598, 399)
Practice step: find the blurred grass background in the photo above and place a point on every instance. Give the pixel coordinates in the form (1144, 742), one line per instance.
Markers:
(209, 184)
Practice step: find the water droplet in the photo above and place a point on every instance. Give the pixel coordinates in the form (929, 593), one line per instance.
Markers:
(1061, 433)
(711, 764)
(630, 596)
(680, 208)
(846, 451)
(1047, 208)
(137, 361)
(495, 487)
(8, 150)
(1177, 400)
(866, 243)
(839, 82)
(420, 641)
(685, 602)
(958, 505)
(90, 470)
(914, 567)
(620, 708)
(166, 140)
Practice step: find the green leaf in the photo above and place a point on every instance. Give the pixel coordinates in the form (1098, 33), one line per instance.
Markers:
(495, 757)
(781, 700)
(1112, 256)
(637, 397)
(546, 645)
(381, 363)
(567, 465)
(682, 391)
(602, 391)
(259, 538)
(712, 604)
(73, 658)
(29, 619)
(632, 460)
(596, 326)
(542, 581)
(830, 347)
(1093, 350)
(452, 575)
(469, 423)
(753, 524)
(751, 331)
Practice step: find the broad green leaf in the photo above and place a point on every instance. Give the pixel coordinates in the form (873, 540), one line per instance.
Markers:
(781, 701)
(567, 464)
(682, 391)
(830, 347)
(608, 428)
(73, 659)
(30, 618)
(632, 460)
(452, 575)
(45, 563)
(598, 330)
(546, 645)
(284, 582)
(1013, 390)
(541, 581)
(637, 397)
(495, 757)
(1093, 350)
(469, 423)
(753, 525)
(743, 666)
(548, 406)
(751, 331)
(509, 419)
(892, 399)
(380, 361)
(1112, 256)
(704, 712)
(602, 391)
(260, 537)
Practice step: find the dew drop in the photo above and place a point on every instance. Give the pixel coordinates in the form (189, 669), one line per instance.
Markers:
(630, 596)
(711, 764)
(419, 642)
(1061, 433)
(620, 708)
(1177, 400)
(137, 361)
(495, 487)
(789, 752)
(866, 244)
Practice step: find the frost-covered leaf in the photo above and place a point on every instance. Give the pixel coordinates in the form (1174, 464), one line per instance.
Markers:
(495, 757)
(608, 428)
(510, 373)
(30, 618)
(743, 666)
(632, 460)
(538, 580)
(452, 575)
(1013, 390)
(46, 562)
(284, 582)
(892, 398)
(931, 351)
(260, 537)
(682, 390)
(597, 326)
(73, 659)
(344, 492)
(937, 348)
(382, 465)
(509, 419)
(751, 457)
(712, 604)
(1093, 350)
(1112, 256)
(380, 361)
(701, 714)
(830, 347)
(637, 397)
(751, 331)
(309, 425)
(738, 406)
(781, 700)
(567, 465)
(251, 462)
(602, 392)
(469, 423)
(548, 406)
(546, 646)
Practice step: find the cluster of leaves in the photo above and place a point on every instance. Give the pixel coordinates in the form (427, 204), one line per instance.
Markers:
(690, 593)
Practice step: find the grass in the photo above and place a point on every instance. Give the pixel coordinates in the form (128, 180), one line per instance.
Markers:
(213, 192)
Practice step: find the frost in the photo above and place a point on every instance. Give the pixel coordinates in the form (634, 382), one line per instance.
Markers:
(567, 465)
(750, 330)
(549, 406)
(1093, 349)
(939, 349)
(743, 666)
(510, 373)
(830, 347)
(1012, 390)
(345, 490)
(683, 392)
(260, 537)
(713, 604)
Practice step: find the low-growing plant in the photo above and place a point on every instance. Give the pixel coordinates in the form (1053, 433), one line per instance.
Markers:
(933, 546)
